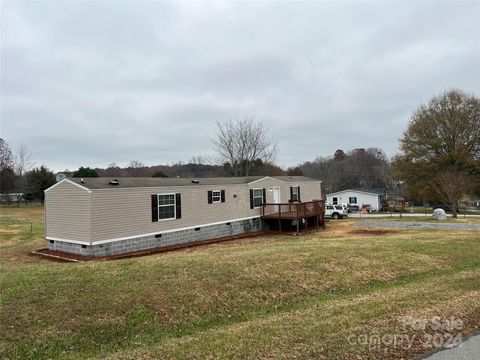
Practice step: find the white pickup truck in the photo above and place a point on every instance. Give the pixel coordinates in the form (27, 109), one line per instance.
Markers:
(336, 211)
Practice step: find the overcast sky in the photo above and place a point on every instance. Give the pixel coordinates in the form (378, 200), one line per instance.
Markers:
(90, 83)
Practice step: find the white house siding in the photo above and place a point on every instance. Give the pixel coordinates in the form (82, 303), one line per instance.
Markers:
(362, 198)
(67, 212)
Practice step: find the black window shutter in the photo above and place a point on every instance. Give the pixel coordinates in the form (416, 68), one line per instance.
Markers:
(298, 193)
(223, 195)
(178, 205)
(154, 208)
(251, 198)
(264, 196)
(291, 193)
(210, 200)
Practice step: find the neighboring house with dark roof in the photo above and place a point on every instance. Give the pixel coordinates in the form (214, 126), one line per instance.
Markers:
(105, 216)
(358, 196)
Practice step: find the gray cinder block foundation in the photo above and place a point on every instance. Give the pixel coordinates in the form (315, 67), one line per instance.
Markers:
(159, 240)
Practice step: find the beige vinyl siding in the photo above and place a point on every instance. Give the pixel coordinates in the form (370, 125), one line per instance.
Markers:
(309, 190)
(267, 184)
(67, 212)
(118, 213)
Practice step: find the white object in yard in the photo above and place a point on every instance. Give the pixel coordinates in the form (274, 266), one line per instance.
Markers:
(439, 214)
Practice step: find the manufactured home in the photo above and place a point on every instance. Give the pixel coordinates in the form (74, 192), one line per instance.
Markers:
(373, 197)
(104, 216)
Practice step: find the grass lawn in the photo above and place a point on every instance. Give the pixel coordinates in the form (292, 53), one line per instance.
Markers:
(267, 297)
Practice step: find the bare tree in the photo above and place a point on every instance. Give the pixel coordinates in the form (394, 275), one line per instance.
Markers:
(137, 169)
(135, 164)
(200, 160)
(113, 170)
(243, 143)
(451, 186)
(23, 160)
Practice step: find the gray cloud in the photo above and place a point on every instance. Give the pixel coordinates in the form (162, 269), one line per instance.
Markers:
(90, 83)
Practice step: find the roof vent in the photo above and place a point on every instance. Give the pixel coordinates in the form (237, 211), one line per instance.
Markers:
(195, 181)
(114, 182)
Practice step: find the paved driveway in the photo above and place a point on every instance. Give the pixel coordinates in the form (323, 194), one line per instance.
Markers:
(468, 350)
(416, 225)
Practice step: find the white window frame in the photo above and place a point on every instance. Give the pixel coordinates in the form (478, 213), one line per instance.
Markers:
(256, 197)
(295, 191)
(352, 202)
(335, 200)
(219, 196)
(174, 206)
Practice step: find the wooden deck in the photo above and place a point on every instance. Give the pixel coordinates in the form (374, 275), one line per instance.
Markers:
(296, 213)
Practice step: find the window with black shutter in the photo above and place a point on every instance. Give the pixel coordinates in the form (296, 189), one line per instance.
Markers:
(166, 207)
(154, 207)
(178, 206)
(294, 193)
(257, 198)
(216, 196)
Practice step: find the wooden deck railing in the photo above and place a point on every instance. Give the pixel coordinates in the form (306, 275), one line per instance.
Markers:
(293, 210)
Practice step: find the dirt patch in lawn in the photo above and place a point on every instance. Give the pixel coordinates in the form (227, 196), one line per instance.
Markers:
(372, 232)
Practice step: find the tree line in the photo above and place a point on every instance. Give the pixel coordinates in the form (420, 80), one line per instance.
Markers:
(19, 176)
(439, 158)
(357, 168)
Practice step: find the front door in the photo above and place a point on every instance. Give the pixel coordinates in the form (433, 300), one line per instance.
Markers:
(276, 196)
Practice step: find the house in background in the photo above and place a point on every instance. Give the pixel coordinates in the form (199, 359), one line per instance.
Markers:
(102, 216)
(11, 198)
(358, 196)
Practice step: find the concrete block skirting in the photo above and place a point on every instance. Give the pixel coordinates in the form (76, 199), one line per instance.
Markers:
(159, 240)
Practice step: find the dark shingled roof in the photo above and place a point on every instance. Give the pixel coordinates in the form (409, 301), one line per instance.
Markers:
(127, 182)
